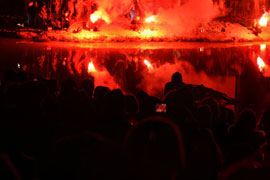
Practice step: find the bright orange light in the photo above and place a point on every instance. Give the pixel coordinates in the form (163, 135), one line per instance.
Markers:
(100, 15)
(150, 19)
(138, 18)
(148, 64)
(91, 68)
(260, 63)
(201, 49)
(66, 15)
(264, 20)
(263, 47)
(148, 33)
(94, 17)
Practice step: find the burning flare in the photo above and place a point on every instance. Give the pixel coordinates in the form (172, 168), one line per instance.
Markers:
(148, 65)
(91, 68)
(100, 15)
(66, 16)
(264, 19)
(263, 47)
(260, 63)
(94, 17)
(150, 19)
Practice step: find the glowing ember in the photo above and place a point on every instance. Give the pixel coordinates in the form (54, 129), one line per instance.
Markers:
(260, 63)
(91, 68)
(264, 19)
(148, 64)
(263, 47)
(150, 19)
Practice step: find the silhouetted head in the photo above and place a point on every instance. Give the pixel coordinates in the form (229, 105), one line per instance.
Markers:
(230, 116)
(141, 95)
(180, 104)
(204, 116)
(10, 75)
(33, 92)
(22, 76)
(177, 77)
(147, 104)
(131, 105)
(114, 102)
(247, 120)
(12, 94)
(80, 156)
(265, 120)
(52, 85)
(155, 149)
(100, 92)
(88, 86)
(214, 105)
(68, 85)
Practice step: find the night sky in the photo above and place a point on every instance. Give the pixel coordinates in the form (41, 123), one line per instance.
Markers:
(12, 7)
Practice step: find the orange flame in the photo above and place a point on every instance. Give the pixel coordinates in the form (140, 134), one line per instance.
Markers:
(94, 18)
(99, 15)
(150, 19)
(148, 65)
(201, 49)
(264, 19)
(260, 63)
(66, 15)
(263, 47)
(91, 68)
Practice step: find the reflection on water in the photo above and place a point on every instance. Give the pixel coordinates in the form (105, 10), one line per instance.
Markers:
(228, 68)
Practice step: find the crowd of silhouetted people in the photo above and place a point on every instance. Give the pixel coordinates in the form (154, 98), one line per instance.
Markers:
(76, 131)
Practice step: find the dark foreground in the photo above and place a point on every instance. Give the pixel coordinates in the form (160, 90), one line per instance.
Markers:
(61, 127)
(71, 131)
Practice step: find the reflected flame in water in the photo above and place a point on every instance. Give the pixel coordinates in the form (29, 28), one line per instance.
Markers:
(135, 69)
(148, 65)
(91, 68)
(263, 47)
(260, 63)
(154, 81)
(264, 68)
(201, 49)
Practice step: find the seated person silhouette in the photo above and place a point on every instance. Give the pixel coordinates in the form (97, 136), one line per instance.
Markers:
(175, 83)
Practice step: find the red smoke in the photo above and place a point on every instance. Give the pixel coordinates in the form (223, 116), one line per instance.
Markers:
(112, 19)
